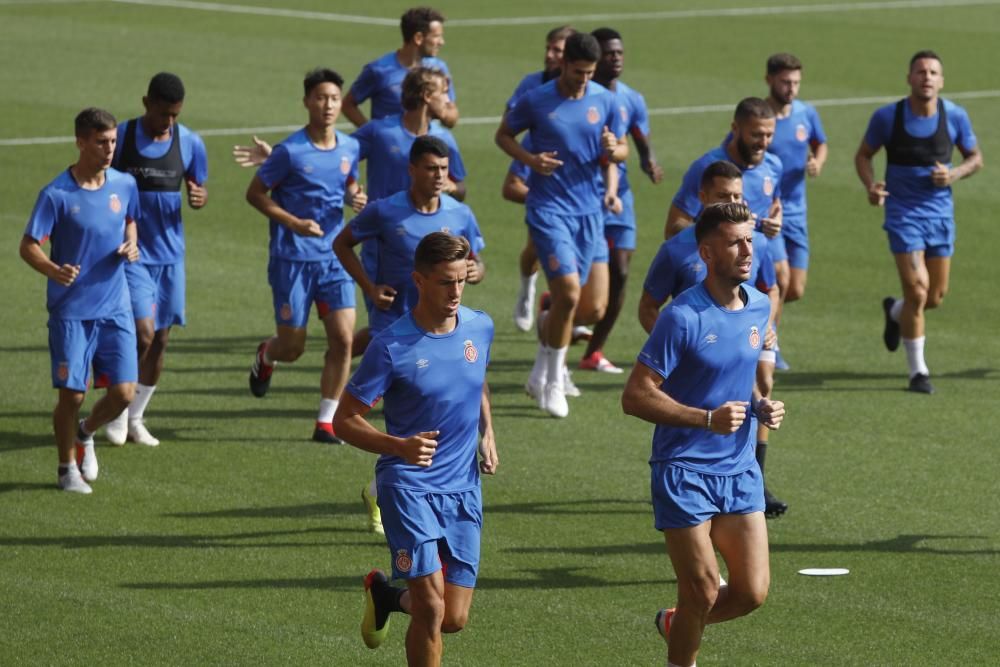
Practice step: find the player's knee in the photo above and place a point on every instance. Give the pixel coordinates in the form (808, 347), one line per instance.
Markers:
(454, 621)
(144, 337)
(430, 608)
(566, 300)
(701, 593)
(748, 600)
(795, 291)
(916, 295)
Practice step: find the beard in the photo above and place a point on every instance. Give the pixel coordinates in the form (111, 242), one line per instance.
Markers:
(747, 153)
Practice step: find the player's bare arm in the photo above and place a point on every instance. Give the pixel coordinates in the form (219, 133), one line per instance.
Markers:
(649, 310)
(543, 163)
(866, 172)
(972, 161)
(32, 253)
(677, 221)
(514, 189)
(816, 160)
(647, 159)
(129, 249)
(643, 398)
(488, 459)
(343, 247)
(350, 424)
(197, 194)
(258, 198)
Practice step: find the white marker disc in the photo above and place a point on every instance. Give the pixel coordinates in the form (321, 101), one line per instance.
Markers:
(824, 571)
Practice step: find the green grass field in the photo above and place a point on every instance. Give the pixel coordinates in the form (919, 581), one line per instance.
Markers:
(239, 541)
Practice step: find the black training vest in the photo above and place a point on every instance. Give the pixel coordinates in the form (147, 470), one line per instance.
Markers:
(909, 151)
(162, 174)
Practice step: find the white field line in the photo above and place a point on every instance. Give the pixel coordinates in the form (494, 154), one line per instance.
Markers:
(570, 18)
(246, 132)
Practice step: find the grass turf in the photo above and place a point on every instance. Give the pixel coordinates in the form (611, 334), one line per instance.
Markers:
(240, 541)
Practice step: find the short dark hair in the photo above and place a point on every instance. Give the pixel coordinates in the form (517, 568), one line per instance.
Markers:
(438, 247)
(427, 144)
(416, 84)
(418, 19)
(559, 34)
(781, 62)
(321, 75)
(581, 46)
(716, 214)
(166, 87)
(605, 34)
(752, 107)
(93, 119)
(926, 53)
(720, 169)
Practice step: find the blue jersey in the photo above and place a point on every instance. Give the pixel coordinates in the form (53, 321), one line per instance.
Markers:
(635, 118)
(517, 167)
(86, 227)
(678, 266)
(385, 145)
(707, 355)
(382, 81)
(793, 136)
(429, 382)
(309, 182)
(761, 183)
(161, 230)
(398, 228)
(572, 128)
(911, 191)
(529, 82)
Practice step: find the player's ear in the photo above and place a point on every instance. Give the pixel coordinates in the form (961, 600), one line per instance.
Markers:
(418, 279)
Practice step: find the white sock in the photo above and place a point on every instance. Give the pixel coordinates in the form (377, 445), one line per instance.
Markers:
(528, 284)
(896, 309)
(372, 489)
(538, 370)
(327, 407)
(915, 355)
(554, 366)
(138, 405)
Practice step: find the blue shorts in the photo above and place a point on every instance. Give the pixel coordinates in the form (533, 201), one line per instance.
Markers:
(566, 244)
(776, 246)
(107, 344)
(935, 236)
(427, 531)
(157, 292)
(796, 234)
(619, 230)
(296, 285)
(683, 498)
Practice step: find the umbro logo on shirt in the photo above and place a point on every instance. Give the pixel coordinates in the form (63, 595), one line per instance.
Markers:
(711, 338)
(308, 168)
(423, 363)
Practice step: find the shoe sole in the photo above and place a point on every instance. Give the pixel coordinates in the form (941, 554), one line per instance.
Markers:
(372, 638)
(321, 436)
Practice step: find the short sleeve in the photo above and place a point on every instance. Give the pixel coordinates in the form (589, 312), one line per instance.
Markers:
(640, 116)
(613, 119)
(275, 168)
(364, 225)
(456, 167)
(374, 375)
(686, 198)
(43, 217)
(365, 85)
(665, 346)
(817, 135)
(879, 128)
(197, 167)
(965, 137)
(660, 280)
(519, 118)
(134, 210)
(473, 234)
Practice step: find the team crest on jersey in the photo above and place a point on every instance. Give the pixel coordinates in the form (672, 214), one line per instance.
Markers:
(471, 353)
(115, 204)
(286, 311)
(553, 263)
(403, 561)
(755, 338)
(63, 371)
(768, 186)
(345, 166)
(593, 115)
(801, 133)
(624, 114)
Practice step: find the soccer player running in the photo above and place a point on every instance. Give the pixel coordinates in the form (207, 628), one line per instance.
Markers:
(678, 266)
(88, 213)
(161, 154)
(695, 382)
(515, 184)
(310, 176)
(919, 133)
(575, 130)
(800, 142)
(429, 367)
(380, 80)
(619, 228)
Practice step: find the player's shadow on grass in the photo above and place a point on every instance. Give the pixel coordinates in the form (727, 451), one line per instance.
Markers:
(587, 507)
(27, 349)
(263, 539)
(310, 511)
(26, 486)
(11, 441)
(866, 381)
(531, 579)
(909, 544)
(219, 345)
